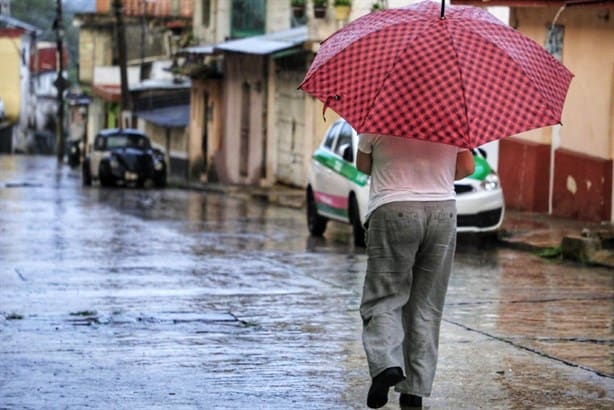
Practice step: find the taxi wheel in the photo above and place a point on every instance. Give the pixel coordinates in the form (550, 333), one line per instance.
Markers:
(315, 222)
(358, 231)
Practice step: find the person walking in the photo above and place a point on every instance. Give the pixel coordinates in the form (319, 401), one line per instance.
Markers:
(411, 240)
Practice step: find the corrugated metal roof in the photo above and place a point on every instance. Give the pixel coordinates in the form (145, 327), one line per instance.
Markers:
(161, 84)
(167, 117)
(9, 21)
(266, 43)
(204, 49)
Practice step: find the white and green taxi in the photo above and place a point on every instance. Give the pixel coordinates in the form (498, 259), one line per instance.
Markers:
(336, 190)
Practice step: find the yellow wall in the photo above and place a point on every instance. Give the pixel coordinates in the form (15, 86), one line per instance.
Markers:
(588, 51)
(95, 49)
(10, 84)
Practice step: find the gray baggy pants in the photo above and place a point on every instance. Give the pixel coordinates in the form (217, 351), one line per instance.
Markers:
(410, 248)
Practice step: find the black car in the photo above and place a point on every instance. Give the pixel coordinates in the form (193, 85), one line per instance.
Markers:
(124, 156)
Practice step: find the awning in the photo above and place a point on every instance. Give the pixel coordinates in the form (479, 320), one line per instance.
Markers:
(108, 92)
(266, 43)
(168, 117)
(206, 49)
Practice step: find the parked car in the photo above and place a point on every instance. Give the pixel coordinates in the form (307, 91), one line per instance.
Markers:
(124, 156)
(336, 190)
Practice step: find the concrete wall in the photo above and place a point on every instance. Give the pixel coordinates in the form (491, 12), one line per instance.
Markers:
(588, 52)
(174, 143)
(580, 163)
(290, 146)
(211, 91)
(217, 29)
(95, 49)
(240, 70)
(277, 15)
(10, 88)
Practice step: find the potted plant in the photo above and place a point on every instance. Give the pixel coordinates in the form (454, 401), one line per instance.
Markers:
(377, 6)
(342, 9)
(319, 8)
(298, 8)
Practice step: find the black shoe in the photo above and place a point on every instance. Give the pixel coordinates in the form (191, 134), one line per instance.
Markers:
(378, 393)
(409, 400)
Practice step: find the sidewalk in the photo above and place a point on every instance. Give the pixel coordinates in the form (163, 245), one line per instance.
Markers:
(591, 243)
(550, 236)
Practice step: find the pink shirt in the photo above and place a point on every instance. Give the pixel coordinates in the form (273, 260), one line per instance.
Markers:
(405, 169)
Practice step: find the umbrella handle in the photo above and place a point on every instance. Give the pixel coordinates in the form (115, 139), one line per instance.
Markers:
(443, 9)
(326, 104)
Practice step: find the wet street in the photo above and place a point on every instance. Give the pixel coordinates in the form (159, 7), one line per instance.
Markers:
(176, 299)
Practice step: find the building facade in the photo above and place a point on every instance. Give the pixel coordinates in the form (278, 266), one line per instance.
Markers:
(567, 170)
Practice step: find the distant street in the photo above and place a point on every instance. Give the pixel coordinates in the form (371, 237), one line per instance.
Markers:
(176, 299)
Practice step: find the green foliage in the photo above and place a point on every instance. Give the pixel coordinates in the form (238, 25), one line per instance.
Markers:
(39, 13)
(553, 252)
(320, 3)
(297, 3)
(43, 18)
(343, 3)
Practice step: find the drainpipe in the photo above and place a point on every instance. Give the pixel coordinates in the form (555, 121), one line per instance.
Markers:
(59, 82)
(121, 48)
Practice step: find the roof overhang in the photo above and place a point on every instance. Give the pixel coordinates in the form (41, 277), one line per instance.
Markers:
(12, 22)
(536, 3)
(108, 92)
(167, 117)
(267, 43)
(206, 49)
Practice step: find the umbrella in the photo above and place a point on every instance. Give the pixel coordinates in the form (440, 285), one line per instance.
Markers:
(463, 78)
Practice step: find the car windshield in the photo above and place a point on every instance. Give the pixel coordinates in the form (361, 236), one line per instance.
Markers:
(127, 140)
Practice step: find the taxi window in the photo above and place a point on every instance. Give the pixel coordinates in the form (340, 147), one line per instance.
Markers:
(345, 139)
(330, 137)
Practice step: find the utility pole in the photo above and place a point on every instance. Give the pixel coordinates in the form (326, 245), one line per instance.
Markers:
(121, 48)
(143, 33)
(60, 82)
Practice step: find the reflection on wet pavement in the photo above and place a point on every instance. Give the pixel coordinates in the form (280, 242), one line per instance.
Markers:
(178, 299)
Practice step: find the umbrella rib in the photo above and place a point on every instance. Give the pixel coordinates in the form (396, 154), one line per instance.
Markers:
(349, 28)
(462, 87)
(392, 66)
(544, 100)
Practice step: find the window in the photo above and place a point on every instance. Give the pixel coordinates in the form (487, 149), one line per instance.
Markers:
(554, 40)
(247, 18)
(206, 13)
(345, 139)
(330, 137)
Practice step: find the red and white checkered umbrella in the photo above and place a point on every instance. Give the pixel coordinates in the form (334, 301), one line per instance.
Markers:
(465, 79)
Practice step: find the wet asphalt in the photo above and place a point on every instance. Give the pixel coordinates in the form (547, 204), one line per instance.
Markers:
(176, 299)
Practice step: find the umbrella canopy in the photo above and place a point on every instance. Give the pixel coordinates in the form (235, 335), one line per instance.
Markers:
(464, 79)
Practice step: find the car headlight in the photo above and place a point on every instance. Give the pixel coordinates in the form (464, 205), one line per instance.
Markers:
(114, 162)
(158, 165)
(490, 183)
